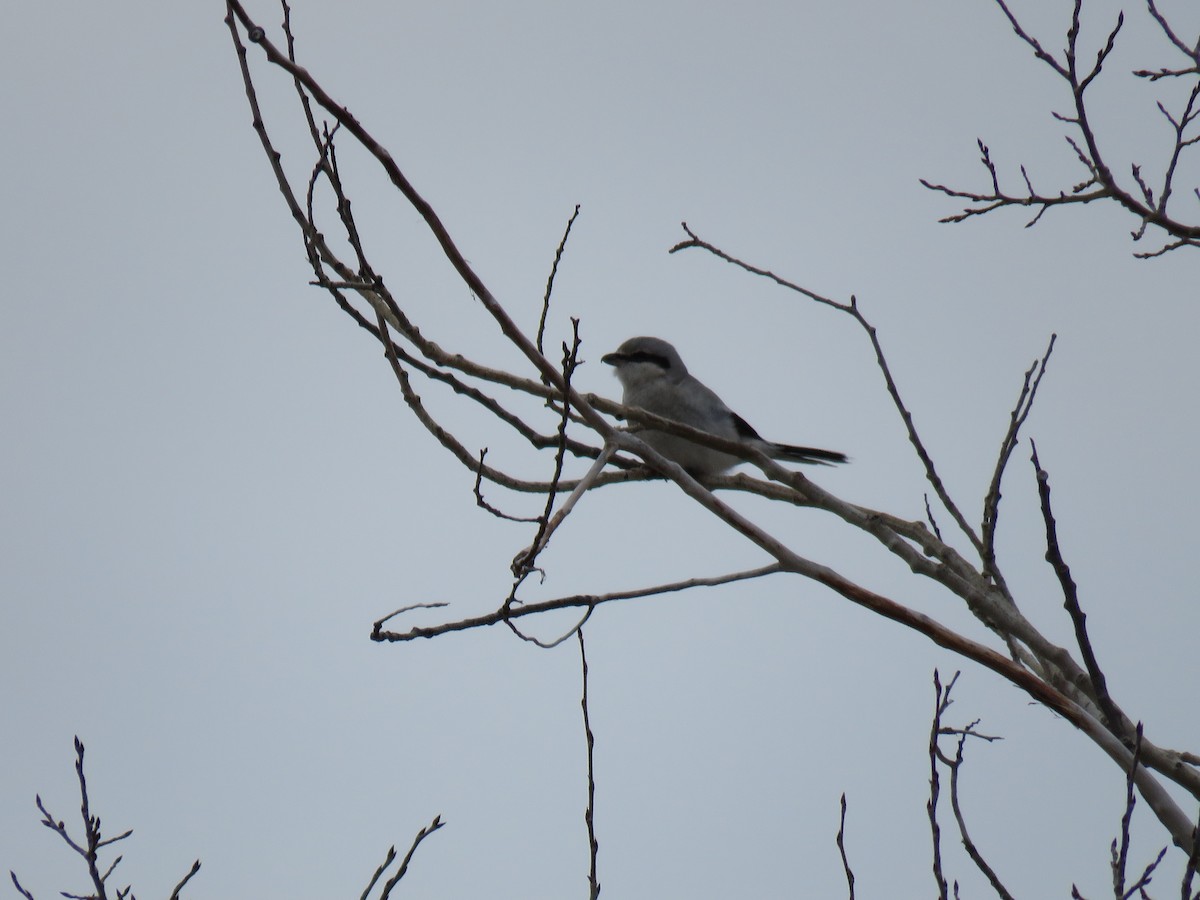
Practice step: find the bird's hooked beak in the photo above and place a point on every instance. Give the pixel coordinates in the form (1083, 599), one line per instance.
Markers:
(613, 359)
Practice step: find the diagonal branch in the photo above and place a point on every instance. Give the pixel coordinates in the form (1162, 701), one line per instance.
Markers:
(851, 309)
(562, 245)
(1113, 718)
(400, 873)
(991, 503)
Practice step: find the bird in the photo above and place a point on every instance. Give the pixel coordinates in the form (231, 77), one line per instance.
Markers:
(654, 378)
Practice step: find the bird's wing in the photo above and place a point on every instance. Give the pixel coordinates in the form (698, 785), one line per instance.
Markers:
(744, 429)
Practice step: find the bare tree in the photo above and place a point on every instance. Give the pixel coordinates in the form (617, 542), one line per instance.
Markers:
(89, 846)
(99, 873)
(940, 760)
(563, 426)
(1144, 195)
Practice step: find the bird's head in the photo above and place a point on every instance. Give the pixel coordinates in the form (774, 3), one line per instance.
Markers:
(642, 360)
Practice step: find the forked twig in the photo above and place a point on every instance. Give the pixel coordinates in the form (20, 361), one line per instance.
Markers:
(991, 503)
(92, 843)
(941, 704)
(400, 872)
(954, 764)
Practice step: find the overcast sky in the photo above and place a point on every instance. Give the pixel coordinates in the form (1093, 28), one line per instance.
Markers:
(211, 486)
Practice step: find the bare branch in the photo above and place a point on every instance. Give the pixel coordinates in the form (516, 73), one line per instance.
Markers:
(525, 561)
(937, 532)
(941, 703)
(841, 845)
(550, 280)
(991, 503)
(1102, 54)
(851, 309)
(589, 601)
(91, 827)
(589, 813)
(421, 835)
(1120, 853)
(483, 504)
(1101, 183)
(1112, 716)
(388, 859)
(17, 884)
(1038, 51)
(969, 845)
(1190, 51)
(186, 878)
(434, 223)
(1120, 856)
(1180, 126)
(93, 842)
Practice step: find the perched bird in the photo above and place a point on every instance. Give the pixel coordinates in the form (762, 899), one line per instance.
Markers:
(656, 380)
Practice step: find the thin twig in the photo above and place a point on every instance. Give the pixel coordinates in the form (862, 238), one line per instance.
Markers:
(17, 884)
(483, 504)
(524, 559)
(937, 532)
(421, 835)
(1020, 412)
(590, 812)
(388, 859)
(409, 608)
(1119, 856)
(941, 703)
(573, 601)
(550, 280)
(527, 559)
(969, 845)
(186, 878)
(841, 845)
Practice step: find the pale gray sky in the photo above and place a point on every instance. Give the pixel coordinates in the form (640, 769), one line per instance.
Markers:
(211, 486)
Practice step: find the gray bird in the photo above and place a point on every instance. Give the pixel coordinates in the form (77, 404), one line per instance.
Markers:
(656, 380)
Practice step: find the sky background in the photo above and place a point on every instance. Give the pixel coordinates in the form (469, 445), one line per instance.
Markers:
(211, 486)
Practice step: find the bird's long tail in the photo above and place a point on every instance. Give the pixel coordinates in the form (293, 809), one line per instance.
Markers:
(810, 455)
